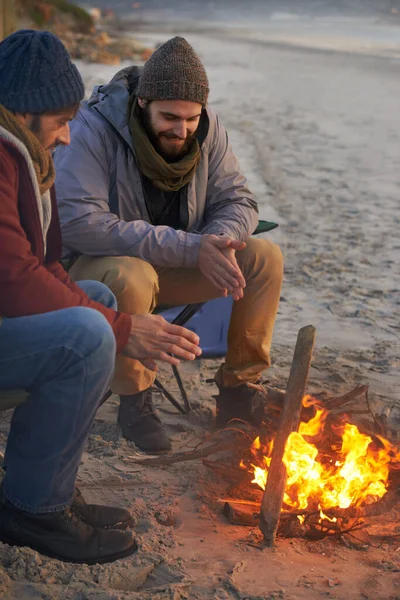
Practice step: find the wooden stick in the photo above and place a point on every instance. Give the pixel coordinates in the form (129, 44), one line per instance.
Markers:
(160, 461)
(252, 503)
(274, 492)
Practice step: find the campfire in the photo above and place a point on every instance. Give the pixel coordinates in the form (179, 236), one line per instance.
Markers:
(341, 469)
(316, 470)
(319, 471)
(331, 466)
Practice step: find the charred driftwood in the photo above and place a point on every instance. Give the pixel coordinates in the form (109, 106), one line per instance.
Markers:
(336, 522)
(341, 401)
(275, 488)
(238, 513)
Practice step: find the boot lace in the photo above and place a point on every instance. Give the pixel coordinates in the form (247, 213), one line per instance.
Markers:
(72, 517)
(144, 407)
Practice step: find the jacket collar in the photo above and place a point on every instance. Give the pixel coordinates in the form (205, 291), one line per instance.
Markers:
(111, 100)
(43, 202)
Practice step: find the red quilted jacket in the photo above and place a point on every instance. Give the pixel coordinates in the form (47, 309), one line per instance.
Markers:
(31, 282)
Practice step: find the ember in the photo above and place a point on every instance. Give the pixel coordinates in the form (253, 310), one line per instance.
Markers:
(352, 471)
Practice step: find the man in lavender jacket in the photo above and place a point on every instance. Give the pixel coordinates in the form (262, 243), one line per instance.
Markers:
(149, 190)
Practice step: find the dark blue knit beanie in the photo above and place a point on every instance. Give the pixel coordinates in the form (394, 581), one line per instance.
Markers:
(36, 73)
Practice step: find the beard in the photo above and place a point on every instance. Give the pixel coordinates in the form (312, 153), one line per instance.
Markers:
(168, 151)
(36, 128)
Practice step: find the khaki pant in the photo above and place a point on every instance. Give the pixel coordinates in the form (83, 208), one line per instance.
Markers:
(139, 287)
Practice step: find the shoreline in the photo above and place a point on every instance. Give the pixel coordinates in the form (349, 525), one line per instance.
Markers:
(340, 36)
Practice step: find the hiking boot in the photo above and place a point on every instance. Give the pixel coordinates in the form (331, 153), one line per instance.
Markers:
(140, 423)
(247, 403)
(62, 535)
(96, 515)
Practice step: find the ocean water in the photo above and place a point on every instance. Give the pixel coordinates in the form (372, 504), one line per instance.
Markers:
(247, 12)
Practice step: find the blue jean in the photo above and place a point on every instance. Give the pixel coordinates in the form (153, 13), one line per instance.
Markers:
(65, 359)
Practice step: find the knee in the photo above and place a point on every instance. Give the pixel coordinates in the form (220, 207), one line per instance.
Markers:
(90, 333)
(135, 283)
(273, 257)
(262, 257)
(99, 292)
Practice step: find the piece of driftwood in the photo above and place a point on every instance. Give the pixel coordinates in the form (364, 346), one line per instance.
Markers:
(289, 526)
(248, 515)
(275, 488)
(340, 401)
(170, 459)
(241, 502)
(375, 509)
(241, 514)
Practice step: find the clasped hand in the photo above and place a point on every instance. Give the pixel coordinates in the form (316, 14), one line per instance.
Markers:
(152, 338)
(217, 262)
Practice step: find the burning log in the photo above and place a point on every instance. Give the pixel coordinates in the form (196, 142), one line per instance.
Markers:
(275, 488)
(248, 514)
(313, 523)
(238, 513)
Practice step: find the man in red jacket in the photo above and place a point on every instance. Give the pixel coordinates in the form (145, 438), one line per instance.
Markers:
(58, 339)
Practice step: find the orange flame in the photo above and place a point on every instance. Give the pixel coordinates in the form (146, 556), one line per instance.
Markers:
(354, 472)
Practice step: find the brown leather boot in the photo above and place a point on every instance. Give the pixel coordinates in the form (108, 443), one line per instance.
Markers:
(97, 515)
(140, 423)
(62, 535)
(247, 403)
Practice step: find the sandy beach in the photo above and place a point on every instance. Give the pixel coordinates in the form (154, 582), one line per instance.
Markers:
(312, 111)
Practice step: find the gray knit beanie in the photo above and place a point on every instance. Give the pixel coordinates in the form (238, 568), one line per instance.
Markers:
(174, 72)
(36, 73)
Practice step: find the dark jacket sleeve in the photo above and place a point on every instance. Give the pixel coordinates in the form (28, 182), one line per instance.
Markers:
(26, 286)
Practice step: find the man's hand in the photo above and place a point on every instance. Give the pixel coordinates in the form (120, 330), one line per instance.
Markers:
(230, 254)
(153, 338)
(217, 262)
